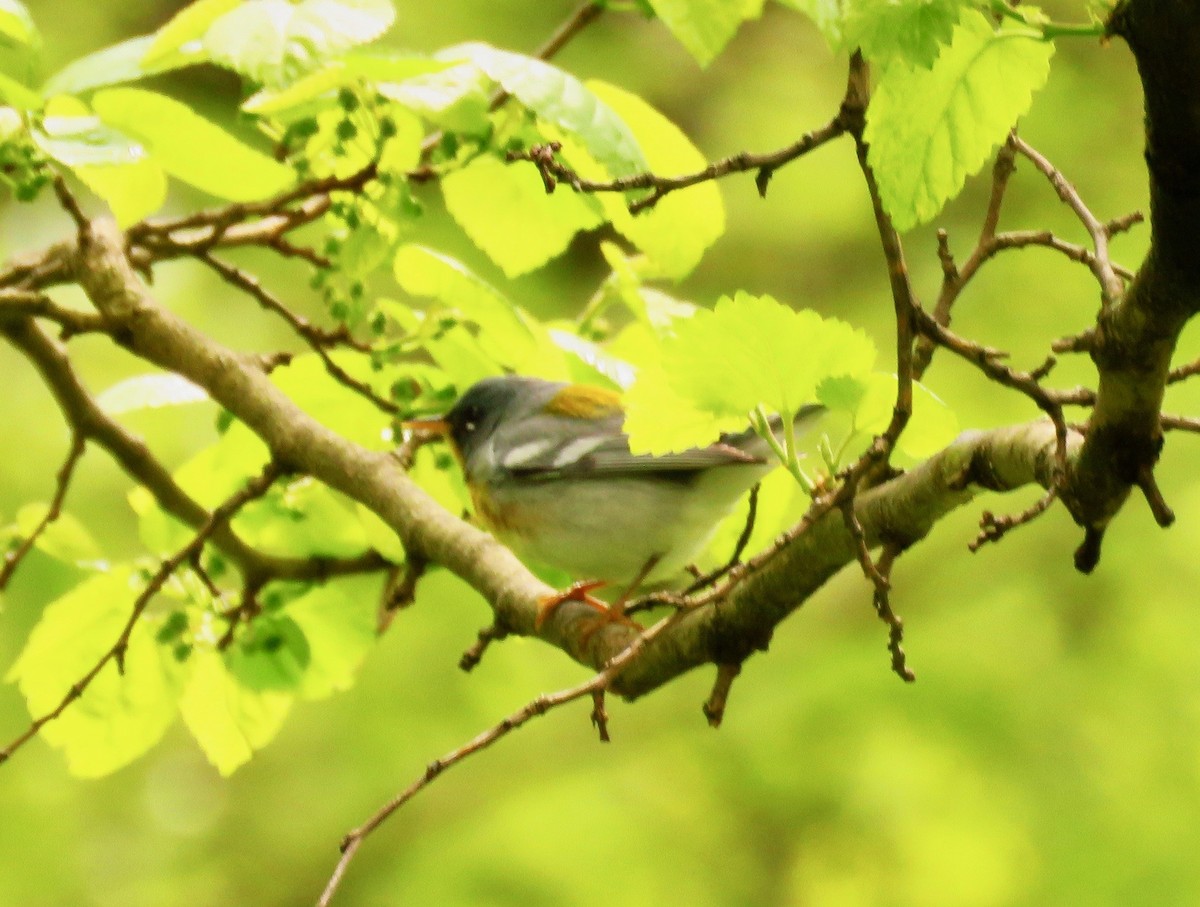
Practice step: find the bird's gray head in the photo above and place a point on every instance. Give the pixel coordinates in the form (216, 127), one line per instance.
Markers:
(488, 403)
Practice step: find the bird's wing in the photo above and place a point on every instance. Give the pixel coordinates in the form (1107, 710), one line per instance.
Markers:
(559, 447)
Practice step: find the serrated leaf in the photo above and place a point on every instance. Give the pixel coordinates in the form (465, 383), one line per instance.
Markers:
(229, 721)
(749, 351)
(187, 25)
(151, 391)
(704, 27)
(842, 392)
(118, 717)
(66, 538)
(560, 99)
(909, 31)
(190, 147)
(676, 232)
(505, 210)
(929, 129)
(274, 41)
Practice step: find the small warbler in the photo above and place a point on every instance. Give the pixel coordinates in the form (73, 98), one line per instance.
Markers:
(552, 477)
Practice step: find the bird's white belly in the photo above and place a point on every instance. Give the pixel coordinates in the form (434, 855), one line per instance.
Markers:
(610, 529)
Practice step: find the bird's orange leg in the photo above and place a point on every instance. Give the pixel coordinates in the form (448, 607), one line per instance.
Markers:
(576, 592)
(580, 592)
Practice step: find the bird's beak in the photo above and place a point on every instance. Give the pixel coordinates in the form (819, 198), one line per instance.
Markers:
(427, 426)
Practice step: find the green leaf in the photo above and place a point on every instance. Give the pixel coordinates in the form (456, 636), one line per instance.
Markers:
(598, 365)
(675, 233)
(314, 390)
(380, 536)
(338, 620)
(118, 717)
(14, 93)
(306, 519)
(910, 31)
(17, 25)
(374, 70)
(122, 62)
(188, 25)
(929, 129)
(83, 141)
(272, 654)
(704, 27)
(842, 392)
(229, 721)
(434, 471)
(133, 190)
(719, 365)
(507, 335)
(190, 147)
(65, 538)
(506, 211)
(274, 41)
(151, 391)
(828, 15)
(561, 99)
(931, 427)
(455, 99)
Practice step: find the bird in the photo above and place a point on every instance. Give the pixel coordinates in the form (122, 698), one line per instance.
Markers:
(551, 475)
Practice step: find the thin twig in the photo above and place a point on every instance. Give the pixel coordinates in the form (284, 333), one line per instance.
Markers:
(470, 659)
(586, 13)
(318, 339)
(534, 709)
(739, 547)
(879, 574)
(70, 204)
(1163, 514)
(12, 559)
(1111, 286)
(993, 528)
(554, 172)
(16, 303)
(714, 706)
(401, 592)
(255, 488)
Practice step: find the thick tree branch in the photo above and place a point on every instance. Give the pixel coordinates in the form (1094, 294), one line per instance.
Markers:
(902, 509)
(1135, 335)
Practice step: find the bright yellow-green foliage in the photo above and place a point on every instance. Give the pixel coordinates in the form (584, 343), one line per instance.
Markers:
(1047, 754)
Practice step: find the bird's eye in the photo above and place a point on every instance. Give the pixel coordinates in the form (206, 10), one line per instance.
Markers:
(469, 426)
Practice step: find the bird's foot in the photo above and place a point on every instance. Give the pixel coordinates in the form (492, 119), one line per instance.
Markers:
(581, 592)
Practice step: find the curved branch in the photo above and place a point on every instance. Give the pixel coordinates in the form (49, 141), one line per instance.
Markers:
(90, 422)
(726, 629)
(1135, 336)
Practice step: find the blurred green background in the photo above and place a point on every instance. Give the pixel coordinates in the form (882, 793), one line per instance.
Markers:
(1049, 753)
